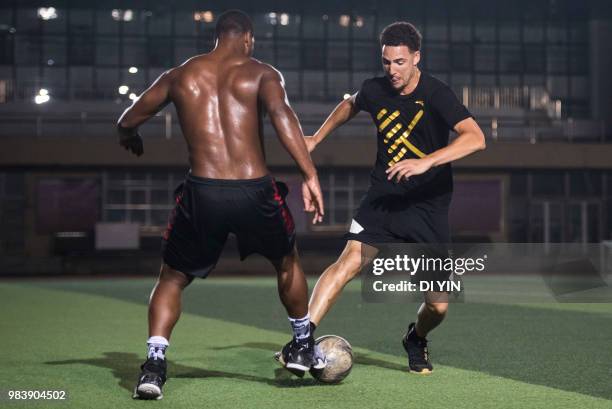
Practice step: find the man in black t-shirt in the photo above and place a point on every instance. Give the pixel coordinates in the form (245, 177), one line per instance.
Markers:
(411, 183)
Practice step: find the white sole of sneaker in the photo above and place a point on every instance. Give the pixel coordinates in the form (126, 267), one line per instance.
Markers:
(292, 365)
(148, 391)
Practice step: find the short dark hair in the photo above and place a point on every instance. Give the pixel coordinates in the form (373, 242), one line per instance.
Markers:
(401, 33)
(233, 22)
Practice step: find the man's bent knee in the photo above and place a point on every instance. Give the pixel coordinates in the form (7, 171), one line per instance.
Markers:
(438, 308)
(170, 275)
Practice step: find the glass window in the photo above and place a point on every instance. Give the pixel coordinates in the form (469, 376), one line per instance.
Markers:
(264, 51)
(363, 27)
(585, 183)
(484, 58)
(27, 20)
(288, 55)
(484, 80)
(436, 57)
(81, 21)
(81, 50)
(509, 31)
(533, 32)
(314, 26)
(107, 51)
(484, 32)
(366, 56)
(185, 48)
(579, 32)
(548, 183)
(338, 85)
(81, 81)
(184, 23)
(557, 86)
(579, 59)
(262, 25)
(292, 84)
(6, 49)
(313, 86)
(161, 53)
(107, 81)
(137, 24)
(461, 57)
(56, 25)
(556, 59)
(28, 50)
(557, 32)
(54, 50)
(459, 79)
(288, 25)
(510, 58)
(313, 55)
(461, 30)
(6, 15)
(580, 87)
(339, 25)
(436, 30)
(337, 56)
(535, 60)
(159, 21)
(134, 51)
(105, 23)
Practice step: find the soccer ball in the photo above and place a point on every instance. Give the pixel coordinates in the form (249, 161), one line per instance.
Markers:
(339, 355)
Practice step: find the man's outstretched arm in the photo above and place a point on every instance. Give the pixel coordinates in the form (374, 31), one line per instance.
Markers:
(274, 98)
(343, 112)
(153, 100)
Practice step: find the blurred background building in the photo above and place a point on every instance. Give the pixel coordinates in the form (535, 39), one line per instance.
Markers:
(535, 73)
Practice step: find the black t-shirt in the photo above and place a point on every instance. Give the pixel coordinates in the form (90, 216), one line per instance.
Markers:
(412, 126)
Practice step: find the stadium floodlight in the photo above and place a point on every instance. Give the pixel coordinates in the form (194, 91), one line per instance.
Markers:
(346, 96)
(47, 13)
(344, 20)
(359, 21)
(284, 19)
(132, 96)
(43, 91)
(133, 70)
(123, 89)
(272, 18)
(206, 16)
(41, 99)
(122, 15)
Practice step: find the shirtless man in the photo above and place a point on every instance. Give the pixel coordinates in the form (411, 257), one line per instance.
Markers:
(220, 98)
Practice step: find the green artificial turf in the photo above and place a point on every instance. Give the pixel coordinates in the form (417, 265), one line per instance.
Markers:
(87, 337)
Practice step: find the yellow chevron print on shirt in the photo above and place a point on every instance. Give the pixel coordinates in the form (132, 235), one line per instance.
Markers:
(402, 139)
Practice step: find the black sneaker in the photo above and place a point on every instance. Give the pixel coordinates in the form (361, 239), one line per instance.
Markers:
(418, 354)
(151, 380)
(319, 361)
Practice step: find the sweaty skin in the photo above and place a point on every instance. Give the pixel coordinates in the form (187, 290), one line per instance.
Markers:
(220, 98)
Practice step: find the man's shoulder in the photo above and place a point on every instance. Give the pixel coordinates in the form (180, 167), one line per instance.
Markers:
(431, 83)
(374, 85)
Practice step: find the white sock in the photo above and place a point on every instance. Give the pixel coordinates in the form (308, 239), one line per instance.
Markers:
(156, 346)
(301, 327)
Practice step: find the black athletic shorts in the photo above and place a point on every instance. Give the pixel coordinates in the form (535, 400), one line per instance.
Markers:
(384, 218)
(207, 210)
(394, 218)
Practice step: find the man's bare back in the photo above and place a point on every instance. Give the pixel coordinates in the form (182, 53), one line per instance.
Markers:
(220, 98)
